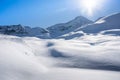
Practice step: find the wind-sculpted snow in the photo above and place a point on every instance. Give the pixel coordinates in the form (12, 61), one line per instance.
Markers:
(90, 57)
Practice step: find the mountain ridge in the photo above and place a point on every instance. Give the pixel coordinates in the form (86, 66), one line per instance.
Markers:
(77, 27)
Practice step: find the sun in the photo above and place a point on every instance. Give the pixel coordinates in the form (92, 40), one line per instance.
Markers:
(89, 6)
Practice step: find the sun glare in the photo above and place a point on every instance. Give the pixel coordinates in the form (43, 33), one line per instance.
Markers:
(89, 6)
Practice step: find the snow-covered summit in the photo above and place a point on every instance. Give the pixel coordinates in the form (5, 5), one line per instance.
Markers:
(104, 23)
(63, 28)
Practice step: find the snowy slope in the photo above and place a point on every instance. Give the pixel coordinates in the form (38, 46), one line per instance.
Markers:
(63, 28)
(89, 58)
(72, 35)
(37, 32)
(115, 32)
(105, 23)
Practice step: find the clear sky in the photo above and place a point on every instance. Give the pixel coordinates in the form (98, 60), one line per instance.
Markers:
(44, 13)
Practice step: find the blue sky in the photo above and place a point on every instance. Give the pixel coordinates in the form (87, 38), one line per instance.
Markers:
(44, 13)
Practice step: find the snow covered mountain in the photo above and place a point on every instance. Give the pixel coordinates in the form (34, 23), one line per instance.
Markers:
(63, 28)
(104, 24)
(37, 32)
(19, 30)
(75, 28)
(108, 25)
(12, 30)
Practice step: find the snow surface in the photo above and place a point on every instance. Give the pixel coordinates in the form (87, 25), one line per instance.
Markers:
(90, 57)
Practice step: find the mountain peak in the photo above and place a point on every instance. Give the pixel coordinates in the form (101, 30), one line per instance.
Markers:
(79, 17)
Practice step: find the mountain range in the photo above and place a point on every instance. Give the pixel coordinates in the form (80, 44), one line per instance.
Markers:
(75, 28)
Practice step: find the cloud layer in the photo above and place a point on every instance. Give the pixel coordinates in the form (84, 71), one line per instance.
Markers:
(38, 59)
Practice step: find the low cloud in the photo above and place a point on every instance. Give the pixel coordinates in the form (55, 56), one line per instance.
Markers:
(38, 59)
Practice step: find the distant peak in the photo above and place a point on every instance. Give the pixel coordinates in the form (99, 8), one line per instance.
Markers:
(80, 17)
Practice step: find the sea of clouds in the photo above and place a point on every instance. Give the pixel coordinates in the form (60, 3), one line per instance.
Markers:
(91, 57)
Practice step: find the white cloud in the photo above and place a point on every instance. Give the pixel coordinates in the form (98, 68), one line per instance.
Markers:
(31, 58)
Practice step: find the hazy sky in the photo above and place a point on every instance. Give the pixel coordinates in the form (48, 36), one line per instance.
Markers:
(44, 13)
